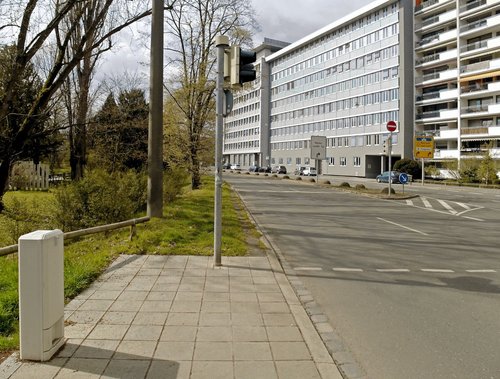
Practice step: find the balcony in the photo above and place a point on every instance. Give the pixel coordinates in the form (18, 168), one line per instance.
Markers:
(443, 95)
(436, 39)
(481, 24)
(435, 76)
(439, 19)
(472, 5)
(480, 66)
(492, 43)
(474, 130)
(477, 108)
(443, 154)
(440, 115)
(441, 57)
(448, 133)
(425, 5)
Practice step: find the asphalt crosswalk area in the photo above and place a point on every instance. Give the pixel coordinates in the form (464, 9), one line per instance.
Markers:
(455, 208)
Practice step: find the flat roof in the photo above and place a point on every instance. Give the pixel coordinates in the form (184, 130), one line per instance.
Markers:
(328, 28)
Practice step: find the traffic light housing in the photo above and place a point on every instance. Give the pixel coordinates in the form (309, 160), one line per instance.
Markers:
(386, 147)
(242, 68)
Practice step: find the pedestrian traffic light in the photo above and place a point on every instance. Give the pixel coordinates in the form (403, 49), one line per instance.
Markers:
(242, 68)
(386, 147)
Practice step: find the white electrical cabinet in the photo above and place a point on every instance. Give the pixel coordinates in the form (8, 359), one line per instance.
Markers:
(41, 294)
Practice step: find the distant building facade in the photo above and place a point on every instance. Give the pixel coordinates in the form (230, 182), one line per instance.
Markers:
(457, 77)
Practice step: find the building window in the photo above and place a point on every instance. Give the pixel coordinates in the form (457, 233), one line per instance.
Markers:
(357, 161)
(280, 161)
(376, 139)
(306, 161)
(298, 161)
(331, 161)
(343, 161)
(289, 161)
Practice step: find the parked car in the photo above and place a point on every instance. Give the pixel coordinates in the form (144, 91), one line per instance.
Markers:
(226, 166)
(309, 171)
(384, 177)
(299, 170)
(265, 169)
(253, 168)
(279, 170)
(236, 167)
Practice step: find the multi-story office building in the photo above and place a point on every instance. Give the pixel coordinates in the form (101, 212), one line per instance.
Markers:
(457, 76)
(345, 82)
(246, 129)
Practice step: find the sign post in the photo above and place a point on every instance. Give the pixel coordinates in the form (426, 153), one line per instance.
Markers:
(391, 127)
(423, 149)
(318, 152)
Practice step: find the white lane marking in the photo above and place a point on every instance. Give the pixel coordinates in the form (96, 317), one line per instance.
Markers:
(308, 269)
(393, 270)
(473, 218)
(435, 270)
(463, 205)
(409, 202)
(346, 269)
(447, 206)
(426, 203)
(402, 226)
(480, 270)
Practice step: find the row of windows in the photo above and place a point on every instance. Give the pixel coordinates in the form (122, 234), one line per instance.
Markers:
(242, 133)
(339, 105)
(348, 141)
(356, 44)
(241, 145)
(355, 25)
(356, 161)
(359, 81)
(247, 96)
(386, 53)
(245, 109)
(243, 121)
(340, 123)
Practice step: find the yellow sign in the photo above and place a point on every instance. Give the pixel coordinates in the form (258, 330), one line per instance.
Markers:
(423, 147)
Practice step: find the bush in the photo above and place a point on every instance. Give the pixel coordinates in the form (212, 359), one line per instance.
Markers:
(386, 190)
(345, 184)
(360, 186)
(326, 182)
(312, 180)
(286, 177)
(409, 166)
(298, 178)
(174, 179)
(99, 198)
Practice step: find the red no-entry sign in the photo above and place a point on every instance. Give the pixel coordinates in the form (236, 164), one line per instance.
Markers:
(391, 126)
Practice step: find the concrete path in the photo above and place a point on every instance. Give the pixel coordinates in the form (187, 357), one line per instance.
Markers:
(178, 317)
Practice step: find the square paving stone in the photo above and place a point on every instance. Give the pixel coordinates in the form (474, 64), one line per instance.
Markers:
(144, 333)
(280, 307)
(278, 319)
(86, 317)
(161, 296)
(165, 369)
(266, 297)
(78, 330)
(174, 351)
(255, 369)
(126, 369)
(150, 318)
(252, 351)
(214, 333)
(105, 295)
(100, 349)
(108, 332)
(283, 351)
(215, 319)
(249, 333)
(211, 370)
(182, 319)
(284, 333)
(216, 296)
(126, 305)
(156, 306)
(243, 297)
(118, 318)
(245, 307)
(215, 306)
(247, 319)
(133, 295)
(179, 333)
(185, 306)
(297, 370)
(77, 368)
(45, 370)
(135, 350)
(213, 351)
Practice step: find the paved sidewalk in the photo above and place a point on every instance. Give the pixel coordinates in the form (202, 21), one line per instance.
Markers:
(178, 317)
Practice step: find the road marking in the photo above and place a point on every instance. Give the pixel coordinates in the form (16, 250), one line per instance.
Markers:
(480, 270)
(346, 269)
(409, 202)
(426, 203)
(435, 270)
(393, 270)
(447, 206)
(308, 269)
(473, 218)
(402, 226)
(463, 205)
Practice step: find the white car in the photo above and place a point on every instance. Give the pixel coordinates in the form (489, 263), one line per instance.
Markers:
(309, 171)
(236, 167)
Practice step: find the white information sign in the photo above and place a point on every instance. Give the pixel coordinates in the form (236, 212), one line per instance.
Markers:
(318, 147)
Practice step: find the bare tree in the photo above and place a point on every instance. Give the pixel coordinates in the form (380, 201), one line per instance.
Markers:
(192, 28)
(39, 31)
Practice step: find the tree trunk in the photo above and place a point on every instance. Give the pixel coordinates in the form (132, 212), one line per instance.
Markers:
(4, 178)
(195, 169)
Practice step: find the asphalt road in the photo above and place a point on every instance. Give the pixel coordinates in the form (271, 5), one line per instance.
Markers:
(412, 286)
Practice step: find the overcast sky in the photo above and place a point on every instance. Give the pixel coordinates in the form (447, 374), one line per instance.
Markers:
(290, 20)
(284, 20)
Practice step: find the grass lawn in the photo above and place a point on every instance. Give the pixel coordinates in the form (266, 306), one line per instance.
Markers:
(186, 228)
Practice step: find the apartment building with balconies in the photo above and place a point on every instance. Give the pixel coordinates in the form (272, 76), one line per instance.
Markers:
(457, 76)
